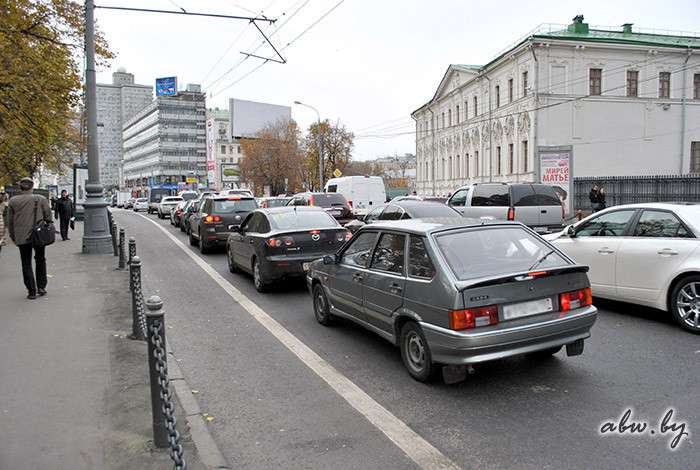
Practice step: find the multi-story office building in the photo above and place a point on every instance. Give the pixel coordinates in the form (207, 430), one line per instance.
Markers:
(164, 143)
(223, 151)
(622, 101)
(116, 103)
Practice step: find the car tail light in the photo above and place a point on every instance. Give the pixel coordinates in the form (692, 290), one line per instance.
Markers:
(511, 213)
(212, 219)
(473, 317)
(315, 232)
(311, 200)
(288, 241)
(274, 242)
(575, 299)
(350, 203)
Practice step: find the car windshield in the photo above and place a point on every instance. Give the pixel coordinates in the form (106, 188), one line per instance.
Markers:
(231, 206)
(277, 202)
(293, 220)
(329, 200)
(495, 251)
(430, 209)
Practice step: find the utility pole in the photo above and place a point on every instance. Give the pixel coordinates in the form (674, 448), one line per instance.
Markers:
(96, 235)
(319, 140)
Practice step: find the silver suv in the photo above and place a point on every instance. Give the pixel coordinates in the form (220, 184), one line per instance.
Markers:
(535, 205)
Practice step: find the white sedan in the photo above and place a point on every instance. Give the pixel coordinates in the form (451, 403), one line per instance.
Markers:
(647, 254)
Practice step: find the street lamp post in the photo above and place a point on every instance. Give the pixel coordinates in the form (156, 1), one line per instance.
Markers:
(319, 138)
(96, 235)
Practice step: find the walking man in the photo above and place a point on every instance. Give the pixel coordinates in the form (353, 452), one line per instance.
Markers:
(25, 210)
(63, 212)
(593, 196)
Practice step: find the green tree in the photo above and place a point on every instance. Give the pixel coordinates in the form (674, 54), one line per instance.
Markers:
(338, 143)
(41, 44)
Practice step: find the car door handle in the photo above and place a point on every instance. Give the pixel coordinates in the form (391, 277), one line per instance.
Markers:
(606, 251)
(394, 288)
(357, 277)
(667, 252)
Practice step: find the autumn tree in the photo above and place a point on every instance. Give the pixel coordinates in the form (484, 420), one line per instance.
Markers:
(338, 143)
(41, 44)
(273, 158)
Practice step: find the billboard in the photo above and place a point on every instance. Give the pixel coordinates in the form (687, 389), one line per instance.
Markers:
(555, 169)
(211, 141)
(249, 117)
(229, 172)
(166, 86)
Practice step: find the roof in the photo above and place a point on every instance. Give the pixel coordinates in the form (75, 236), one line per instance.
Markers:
(619, 37)
(432, 225)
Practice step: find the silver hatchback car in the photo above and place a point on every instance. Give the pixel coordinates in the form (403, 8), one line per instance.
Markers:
(456, 292)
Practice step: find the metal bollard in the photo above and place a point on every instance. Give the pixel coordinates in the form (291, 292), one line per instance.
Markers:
(132, 248)
(114, 238)
(122, 249)
(165, 432)
(137, 315)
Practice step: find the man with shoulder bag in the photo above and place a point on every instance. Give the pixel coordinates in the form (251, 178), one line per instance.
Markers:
(30, 226)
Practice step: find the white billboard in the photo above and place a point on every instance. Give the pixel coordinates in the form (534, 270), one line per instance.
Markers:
(211, 141)
(248, 117)
(555, 169)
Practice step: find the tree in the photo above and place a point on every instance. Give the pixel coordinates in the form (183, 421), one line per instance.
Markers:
(364, 168)
(338, 143)
(41, 44)
(274, 158)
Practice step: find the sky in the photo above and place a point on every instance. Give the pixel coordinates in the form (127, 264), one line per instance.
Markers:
(366, 64)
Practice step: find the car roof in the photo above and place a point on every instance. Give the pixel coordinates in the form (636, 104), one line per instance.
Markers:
(435, 224)
(277, 210)
(231, 197)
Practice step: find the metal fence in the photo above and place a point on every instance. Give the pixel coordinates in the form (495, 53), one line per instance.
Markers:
(638, 189)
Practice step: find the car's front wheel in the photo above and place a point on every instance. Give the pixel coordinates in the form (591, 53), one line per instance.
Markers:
(322, 310)
(685, 303)
(415, 352)
(261, 284)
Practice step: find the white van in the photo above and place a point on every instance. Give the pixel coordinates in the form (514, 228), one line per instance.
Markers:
(363, 193)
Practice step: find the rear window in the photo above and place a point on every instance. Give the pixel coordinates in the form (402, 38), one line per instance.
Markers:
(495, 251)
(329, 200)
(189, 196)
(225, 206)
(172, 199)
(293, 220)
(277, 202)
(431, 209)
(547, 195)
(142, 199)
(491, 195)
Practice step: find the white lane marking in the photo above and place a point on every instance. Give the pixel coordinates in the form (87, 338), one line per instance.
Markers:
(424, 454)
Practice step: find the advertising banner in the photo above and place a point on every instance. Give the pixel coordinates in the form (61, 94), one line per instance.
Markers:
(211, 141)
(229, 172)
(555, 169)
(166, 86)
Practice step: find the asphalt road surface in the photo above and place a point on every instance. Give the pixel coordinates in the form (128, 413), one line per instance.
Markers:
(271, 410)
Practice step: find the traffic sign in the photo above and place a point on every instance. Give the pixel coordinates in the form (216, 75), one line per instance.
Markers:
(337, 173)
(191, 179)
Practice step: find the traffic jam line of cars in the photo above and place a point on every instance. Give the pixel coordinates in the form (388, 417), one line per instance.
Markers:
(457, 283)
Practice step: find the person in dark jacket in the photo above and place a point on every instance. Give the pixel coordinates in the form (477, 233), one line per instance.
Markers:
(63, 212)
(21, 219)
(593, 196)
(602, 204)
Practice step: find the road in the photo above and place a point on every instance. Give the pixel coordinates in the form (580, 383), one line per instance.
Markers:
(270, 409)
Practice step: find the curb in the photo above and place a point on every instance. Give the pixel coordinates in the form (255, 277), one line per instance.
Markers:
(209, 452)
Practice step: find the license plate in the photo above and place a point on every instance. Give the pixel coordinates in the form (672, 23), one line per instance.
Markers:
(525, 309)
(306, 267)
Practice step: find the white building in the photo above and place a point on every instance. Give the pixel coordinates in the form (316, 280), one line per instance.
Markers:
(116, 103)
(626, 101)
(223, 152)
(164, 143)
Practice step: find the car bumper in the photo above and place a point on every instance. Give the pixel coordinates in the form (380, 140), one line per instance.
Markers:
(461, 348)
(278, 267)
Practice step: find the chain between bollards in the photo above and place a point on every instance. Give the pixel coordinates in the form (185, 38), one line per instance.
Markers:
(138, 317)
(122, 249)
(165, 432)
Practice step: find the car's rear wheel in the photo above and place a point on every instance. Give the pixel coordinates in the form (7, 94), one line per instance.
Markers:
(203, 247)
(229, 260)
(685, 303)
(322, 309)
(415, 353)
(182, 228)
(261, 284)
(193, 241)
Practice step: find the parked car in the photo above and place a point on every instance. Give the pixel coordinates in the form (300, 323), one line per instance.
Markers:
(236, 192)
(189, 209)
(269, 202)
(187, 195)
(281, 242)
(415, 284)
(167, 204)
(215, 218)
(535, 205)
(646, 254)
(155, 194)
(141, 204)
(177, 212)
(361, 192)
(335, 204)
(129, 204)
(402, 210)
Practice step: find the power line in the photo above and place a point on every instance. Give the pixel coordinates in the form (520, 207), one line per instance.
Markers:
(188, 13)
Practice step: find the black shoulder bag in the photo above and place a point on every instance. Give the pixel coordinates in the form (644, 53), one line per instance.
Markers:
(43, 233)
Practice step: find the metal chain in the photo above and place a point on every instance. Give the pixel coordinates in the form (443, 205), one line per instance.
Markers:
(142, 314)
(176, 451)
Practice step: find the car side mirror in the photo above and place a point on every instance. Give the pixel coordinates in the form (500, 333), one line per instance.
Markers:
(237, 229)
(329, 259)
(571, 231)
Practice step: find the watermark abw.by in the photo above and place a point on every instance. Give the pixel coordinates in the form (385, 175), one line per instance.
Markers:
(626, 424)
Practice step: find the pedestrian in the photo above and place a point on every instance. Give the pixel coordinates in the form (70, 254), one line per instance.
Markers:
(593, 197)
(64, 212)
(3, 216)
(25, 210)
(601, 199)
(414, 193)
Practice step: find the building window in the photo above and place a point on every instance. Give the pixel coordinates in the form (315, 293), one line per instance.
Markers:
(525, 159)
(449, 117)
(443, 120)
(458, 168)
(476, 105)
(238, 148)
(476, 163)
(696, 86)
(466, 165)
(632, 83)
(664, 84)
(457, 114)
(466, 110)
(695, 157)
(510, 159)
(498, 96)
(594, 81)
(498, 160)
(223, 150)
(525, 83)
(510, 90)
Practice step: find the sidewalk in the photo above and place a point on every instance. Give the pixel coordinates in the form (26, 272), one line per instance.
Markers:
(73, 389)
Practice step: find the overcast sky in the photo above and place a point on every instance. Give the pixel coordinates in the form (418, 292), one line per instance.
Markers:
(369, 63)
